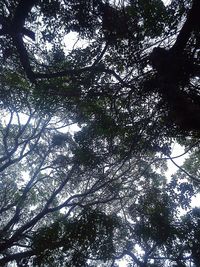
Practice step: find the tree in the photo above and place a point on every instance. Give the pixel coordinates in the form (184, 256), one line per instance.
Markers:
(40, 177)
(56, 196)
(128, 104)
(137, 30)
(155, 233)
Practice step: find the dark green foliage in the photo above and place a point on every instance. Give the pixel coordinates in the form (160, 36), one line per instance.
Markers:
(155, 217)
(90, 235)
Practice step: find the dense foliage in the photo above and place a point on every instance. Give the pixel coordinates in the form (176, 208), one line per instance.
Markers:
(87, 127)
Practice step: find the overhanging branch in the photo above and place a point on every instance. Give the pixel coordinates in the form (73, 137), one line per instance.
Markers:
(192, 23)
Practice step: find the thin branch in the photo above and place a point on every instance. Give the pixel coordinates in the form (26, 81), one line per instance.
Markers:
(184, 171)
(101, 55)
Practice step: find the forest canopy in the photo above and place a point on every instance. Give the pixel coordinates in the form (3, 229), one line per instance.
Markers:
(87, 128)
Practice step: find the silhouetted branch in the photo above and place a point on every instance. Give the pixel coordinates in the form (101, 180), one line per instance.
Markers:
(21, 13)
(192, 23)
(16, 256)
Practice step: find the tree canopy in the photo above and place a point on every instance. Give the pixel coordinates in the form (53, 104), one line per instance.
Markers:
(87, 127)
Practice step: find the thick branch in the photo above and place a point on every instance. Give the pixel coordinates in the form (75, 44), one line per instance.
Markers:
(21, 13)
(16, 29)
(71, 72)
(192, 23)
(23, 55)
